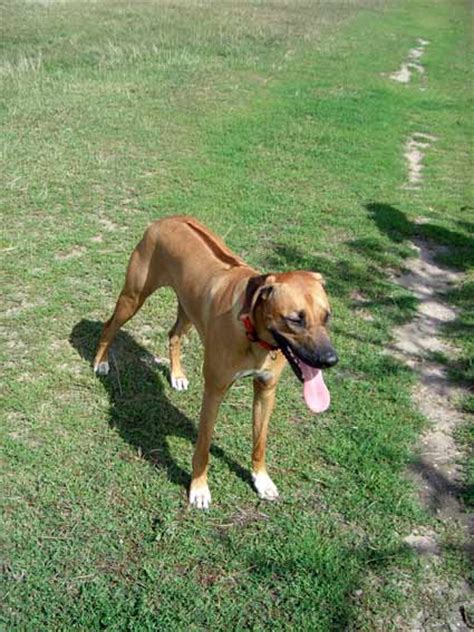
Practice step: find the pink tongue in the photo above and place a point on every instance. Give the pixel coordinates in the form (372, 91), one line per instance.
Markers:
(316, 394)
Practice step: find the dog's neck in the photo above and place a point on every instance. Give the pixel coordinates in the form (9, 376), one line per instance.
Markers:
(249, 303)
(252, 335)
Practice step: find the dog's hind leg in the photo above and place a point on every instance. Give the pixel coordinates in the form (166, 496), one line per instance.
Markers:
(139, 284)
(181, 326)
(126, 307)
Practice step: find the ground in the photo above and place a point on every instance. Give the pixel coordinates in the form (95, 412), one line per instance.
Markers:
(327, 136)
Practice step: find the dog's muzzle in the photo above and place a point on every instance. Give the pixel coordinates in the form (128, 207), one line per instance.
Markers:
(323, 356)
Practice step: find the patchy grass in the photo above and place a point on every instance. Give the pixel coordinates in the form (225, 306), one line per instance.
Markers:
(276, 124)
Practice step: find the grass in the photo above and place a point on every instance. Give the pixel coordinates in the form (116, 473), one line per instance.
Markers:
(275, 124)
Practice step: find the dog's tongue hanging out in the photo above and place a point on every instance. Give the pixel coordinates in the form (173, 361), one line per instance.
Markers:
(316, 394)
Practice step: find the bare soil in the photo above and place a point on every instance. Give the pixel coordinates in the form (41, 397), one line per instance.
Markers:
(403, 75)
(437, 470)
(414, 153)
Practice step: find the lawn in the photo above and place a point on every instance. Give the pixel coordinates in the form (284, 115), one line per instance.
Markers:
(277, 125)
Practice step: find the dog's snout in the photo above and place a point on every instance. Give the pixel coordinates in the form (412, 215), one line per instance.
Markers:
(321, 356)
(329, 358)
(326, 358)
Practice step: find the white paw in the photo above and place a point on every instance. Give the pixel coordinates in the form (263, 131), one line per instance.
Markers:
(102, 368)
(264, 485)
(179, 383)
(200, 497)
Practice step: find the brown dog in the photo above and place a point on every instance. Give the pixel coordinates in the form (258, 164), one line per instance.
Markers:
(248, 324)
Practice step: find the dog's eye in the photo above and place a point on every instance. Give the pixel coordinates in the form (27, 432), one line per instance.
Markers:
(296, 319)
(327, 318)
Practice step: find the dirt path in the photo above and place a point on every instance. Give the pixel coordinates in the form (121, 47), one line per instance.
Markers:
(435, 396)
(437, 472)
(413, 63)
(414, 152)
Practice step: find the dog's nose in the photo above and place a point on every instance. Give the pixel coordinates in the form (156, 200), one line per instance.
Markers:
(329, 358)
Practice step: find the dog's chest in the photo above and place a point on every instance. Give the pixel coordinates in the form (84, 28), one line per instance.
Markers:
(259, 374)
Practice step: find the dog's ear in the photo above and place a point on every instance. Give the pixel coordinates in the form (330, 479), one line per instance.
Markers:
(259, 288)
(319, 278)
(266, 292)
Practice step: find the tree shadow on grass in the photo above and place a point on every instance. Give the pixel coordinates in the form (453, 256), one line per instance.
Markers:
(456, 249)
(325, 567)
(139, 407)
(440, 494)
(450, 247)
(395, 224)
(359, 565)
(468, 226)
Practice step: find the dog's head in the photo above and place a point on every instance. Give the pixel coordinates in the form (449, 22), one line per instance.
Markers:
(291, 310)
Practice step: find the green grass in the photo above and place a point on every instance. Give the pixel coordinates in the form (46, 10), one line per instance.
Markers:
(276, 125)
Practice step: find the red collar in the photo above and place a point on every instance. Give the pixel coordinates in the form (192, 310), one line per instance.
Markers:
(252, 334)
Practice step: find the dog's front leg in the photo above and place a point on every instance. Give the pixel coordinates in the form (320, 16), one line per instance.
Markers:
(263, 403)
(199, 494)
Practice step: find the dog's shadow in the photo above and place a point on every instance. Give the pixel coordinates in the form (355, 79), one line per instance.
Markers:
(139, 407)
